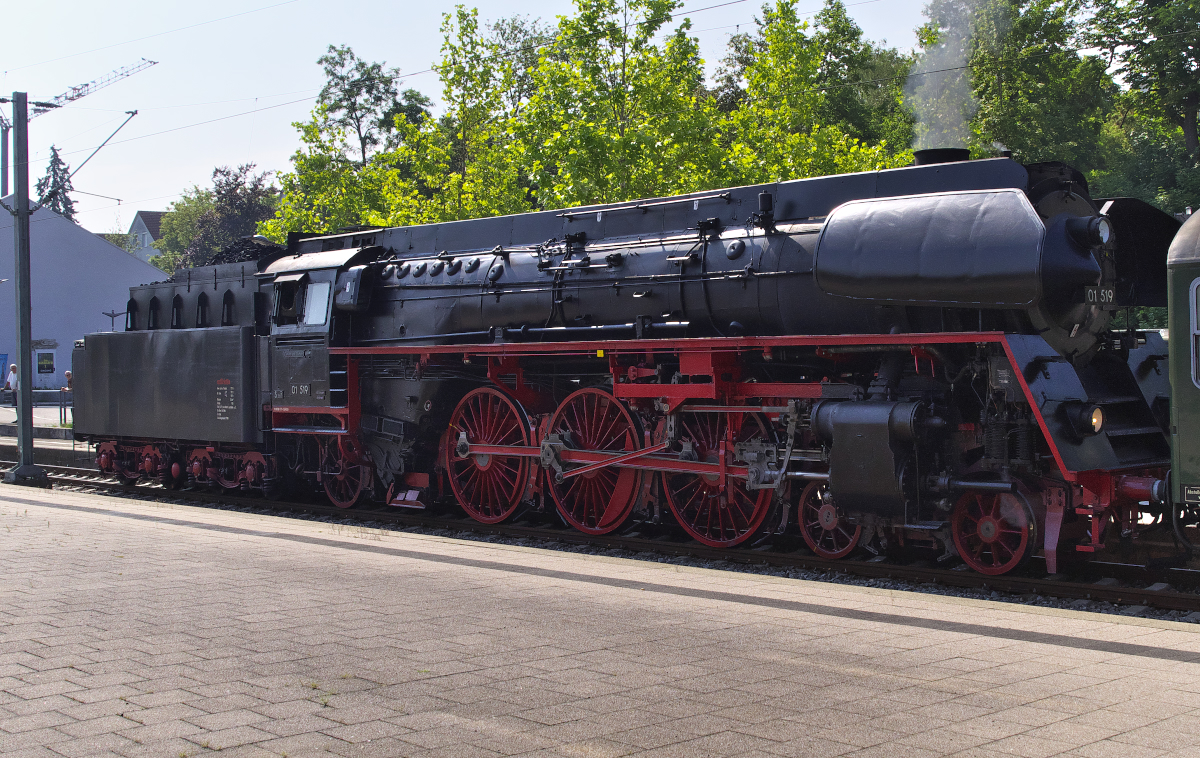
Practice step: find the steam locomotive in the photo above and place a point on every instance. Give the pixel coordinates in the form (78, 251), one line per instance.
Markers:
(919, 357)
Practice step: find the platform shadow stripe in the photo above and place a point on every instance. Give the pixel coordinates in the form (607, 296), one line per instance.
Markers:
(958, 627)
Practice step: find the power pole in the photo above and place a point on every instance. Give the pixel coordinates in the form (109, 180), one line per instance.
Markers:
(4, 129)
(69, 96)
(26, 471)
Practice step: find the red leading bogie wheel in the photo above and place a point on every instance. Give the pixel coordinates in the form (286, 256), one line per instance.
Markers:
(824, 528)
(601, 500)
(488, 487)
(994, 533)
(711, 516)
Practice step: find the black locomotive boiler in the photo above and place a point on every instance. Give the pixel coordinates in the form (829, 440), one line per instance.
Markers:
(919, 356)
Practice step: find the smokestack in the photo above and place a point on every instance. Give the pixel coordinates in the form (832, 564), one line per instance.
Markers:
(933, 155)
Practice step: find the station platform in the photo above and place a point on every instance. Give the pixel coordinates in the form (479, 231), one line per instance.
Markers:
(144, 629)
(43, 417)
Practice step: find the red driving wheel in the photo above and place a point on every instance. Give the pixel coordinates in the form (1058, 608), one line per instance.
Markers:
(488, 487)
(711, 516)
(602, 499)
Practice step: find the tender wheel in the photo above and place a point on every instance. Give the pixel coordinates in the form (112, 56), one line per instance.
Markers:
(344, 475)
(825, 530)
(710, 516)
(600, 501)
(488, 487)
(994, 533)
(198, 464)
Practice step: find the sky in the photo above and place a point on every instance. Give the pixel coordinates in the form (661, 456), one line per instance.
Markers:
(231, 78)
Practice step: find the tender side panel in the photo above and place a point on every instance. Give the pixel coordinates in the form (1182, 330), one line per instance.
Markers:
(195, 384)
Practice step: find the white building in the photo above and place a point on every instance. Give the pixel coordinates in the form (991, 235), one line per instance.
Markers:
(145, 231)
(75, 278)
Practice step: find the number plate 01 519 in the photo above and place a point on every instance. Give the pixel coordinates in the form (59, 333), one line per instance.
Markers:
(1105, 297)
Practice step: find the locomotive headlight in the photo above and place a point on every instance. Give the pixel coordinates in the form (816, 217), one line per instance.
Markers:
(1090, 231)
(1086, 419)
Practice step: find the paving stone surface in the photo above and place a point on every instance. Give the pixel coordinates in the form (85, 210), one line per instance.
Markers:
(138, 629)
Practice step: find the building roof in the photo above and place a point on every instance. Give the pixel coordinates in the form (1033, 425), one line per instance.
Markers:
(152, 220)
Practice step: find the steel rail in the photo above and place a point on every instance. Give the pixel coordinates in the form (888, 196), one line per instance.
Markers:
(1163, 598)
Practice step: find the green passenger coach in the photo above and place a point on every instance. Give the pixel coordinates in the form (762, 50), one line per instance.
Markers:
(1183, 281)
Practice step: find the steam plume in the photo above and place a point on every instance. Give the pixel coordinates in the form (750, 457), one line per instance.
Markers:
(938, 89)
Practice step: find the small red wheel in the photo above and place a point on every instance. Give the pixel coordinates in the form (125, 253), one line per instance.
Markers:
(994, 533)
(710, 516)
(825, 530)
(601, 500)
(344, 476)
(198, 465)
(488, 487)
(107, 457)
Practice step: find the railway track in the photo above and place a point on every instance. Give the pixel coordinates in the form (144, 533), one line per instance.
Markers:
(1125, 584)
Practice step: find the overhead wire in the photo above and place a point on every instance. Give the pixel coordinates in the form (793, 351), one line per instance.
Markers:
(512, 52)
(150, 36)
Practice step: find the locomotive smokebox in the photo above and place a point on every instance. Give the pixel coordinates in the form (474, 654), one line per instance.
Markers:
(933, 155)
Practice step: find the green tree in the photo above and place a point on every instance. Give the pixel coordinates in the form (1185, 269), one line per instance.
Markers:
(1144, 155)
(1155, 45)
(363, 99)
(204, 221)
(463, 165)
(1037, 96)
(616, 116)
(178, 226)
(326, 190)
(776, 132)
(517, 41)
(54, 187)
(862, 83)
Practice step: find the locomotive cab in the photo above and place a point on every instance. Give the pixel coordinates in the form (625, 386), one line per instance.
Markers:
(304, 385)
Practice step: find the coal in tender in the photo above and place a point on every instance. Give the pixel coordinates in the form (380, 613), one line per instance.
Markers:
(244, 250)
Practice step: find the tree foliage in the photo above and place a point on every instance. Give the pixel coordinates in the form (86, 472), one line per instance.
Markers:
(777, 131)
(1037, 96)
(611, 103)
(461, 165)
(617, 115)
(203, 221)
(363, 100)
(1155, 45)
(54, 188)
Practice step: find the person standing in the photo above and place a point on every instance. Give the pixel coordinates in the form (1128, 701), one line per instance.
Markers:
(10, 383)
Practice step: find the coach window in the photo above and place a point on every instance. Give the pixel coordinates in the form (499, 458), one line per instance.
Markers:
(152, 314)
(177, 312)
(316, 303)
(228, 312)
(1196, 332)
(202, 310)
(131, 309)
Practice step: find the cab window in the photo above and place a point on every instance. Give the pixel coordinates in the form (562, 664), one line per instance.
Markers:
(316, 303)
(289, 298)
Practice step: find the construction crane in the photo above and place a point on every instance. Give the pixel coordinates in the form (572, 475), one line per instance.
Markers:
(83, 90)
(71, 95)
